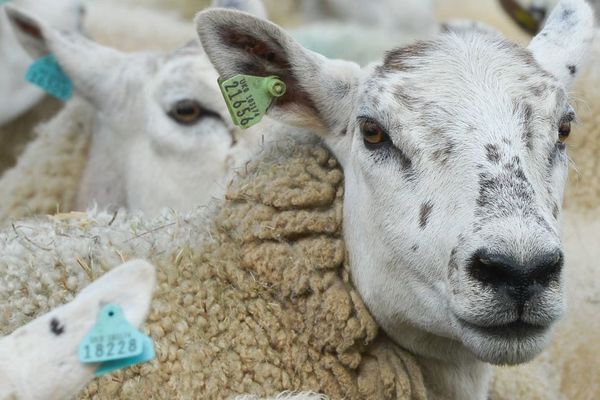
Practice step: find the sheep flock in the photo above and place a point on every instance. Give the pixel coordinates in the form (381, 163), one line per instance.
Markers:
(249, 257)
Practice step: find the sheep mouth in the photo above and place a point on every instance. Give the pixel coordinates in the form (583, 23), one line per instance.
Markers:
(510, 343)
(518, 329)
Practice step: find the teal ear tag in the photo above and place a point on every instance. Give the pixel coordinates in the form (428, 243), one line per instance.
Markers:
(114, 343)
(47, 74)
(3, 1)
(249, 97)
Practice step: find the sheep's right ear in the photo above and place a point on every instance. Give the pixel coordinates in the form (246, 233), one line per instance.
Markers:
(319, 91)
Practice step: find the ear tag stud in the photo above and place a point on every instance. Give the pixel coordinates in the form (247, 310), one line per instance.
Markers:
(249, 97)
(47, 74)
(114, 343)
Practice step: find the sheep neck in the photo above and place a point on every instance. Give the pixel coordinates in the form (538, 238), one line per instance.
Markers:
(449, 370)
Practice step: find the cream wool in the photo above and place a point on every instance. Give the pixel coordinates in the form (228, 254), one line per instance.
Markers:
(264, 305)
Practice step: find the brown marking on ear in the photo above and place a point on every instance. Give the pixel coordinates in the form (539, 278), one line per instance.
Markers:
(269, 58)
(29, 28)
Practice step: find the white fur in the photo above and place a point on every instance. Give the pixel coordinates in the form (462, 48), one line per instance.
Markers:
(35, 351)
(61, 14)
(467, 93)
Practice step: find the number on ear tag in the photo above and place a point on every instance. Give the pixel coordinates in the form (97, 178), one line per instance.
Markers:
(249, 97)
(48, 75)
(114, 343)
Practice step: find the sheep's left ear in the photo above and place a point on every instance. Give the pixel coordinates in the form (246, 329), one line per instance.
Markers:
(564, 43)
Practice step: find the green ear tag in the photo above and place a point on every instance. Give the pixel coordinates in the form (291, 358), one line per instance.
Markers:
(114, 343)
(249, 97)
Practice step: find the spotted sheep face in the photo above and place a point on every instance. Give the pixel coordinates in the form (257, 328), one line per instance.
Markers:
(454, 153)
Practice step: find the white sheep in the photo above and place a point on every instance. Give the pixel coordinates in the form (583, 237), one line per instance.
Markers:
(476, 156)
(108, 22)
(161, 135)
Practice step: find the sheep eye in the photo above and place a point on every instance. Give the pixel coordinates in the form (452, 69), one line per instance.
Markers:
(564, 130)
(373, 133)
(187, 112)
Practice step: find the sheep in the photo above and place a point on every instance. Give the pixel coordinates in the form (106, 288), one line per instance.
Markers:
(108, 21)
(149, 113)
(289, 216)
(169, 119)
(326, 93)
(44, 348)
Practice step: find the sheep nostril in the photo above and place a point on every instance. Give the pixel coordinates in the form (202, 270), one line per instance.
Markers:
(504, 271)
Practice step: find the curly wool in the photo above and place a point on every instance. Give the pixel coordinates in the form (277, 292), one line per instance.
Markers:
(257, 302)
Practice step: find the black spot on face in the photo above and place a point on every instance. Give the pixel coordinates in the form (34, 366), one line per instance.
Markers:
(414, 248)
(572, 69)
(56, 328)
(566, 14)
(555, 211)
(492, 153)
(425, 213)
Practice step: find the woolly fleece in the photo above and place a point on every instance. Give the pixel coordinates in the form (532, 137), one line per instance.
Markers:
(257, 302)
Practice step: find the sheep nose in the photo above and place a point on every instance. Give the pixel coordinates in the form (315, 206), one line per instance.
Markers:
(520, 280)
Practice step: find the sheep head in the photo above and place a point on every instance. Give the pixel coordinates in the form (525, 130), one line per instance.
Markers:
(162, 137)
(455, 163)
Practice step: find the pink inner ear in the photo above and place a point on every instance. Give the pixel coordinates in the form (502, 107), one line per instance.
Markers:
(29, 28)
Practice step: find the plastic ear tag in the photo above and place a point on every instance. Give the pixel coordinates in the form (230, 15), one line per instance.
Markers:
(114, 343)
(47, 74)
(3, 1)
(249, 97)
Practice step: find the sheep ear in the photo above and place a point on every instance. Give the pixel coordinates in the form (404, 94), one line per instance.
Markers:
(319, 90)
(83, 60)
(564, 43)
(29, 31)
(254, 7)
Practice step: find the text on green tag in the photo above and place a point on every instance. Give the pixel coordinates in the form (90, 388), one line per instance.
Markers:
(114, 342)
(248, 97)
